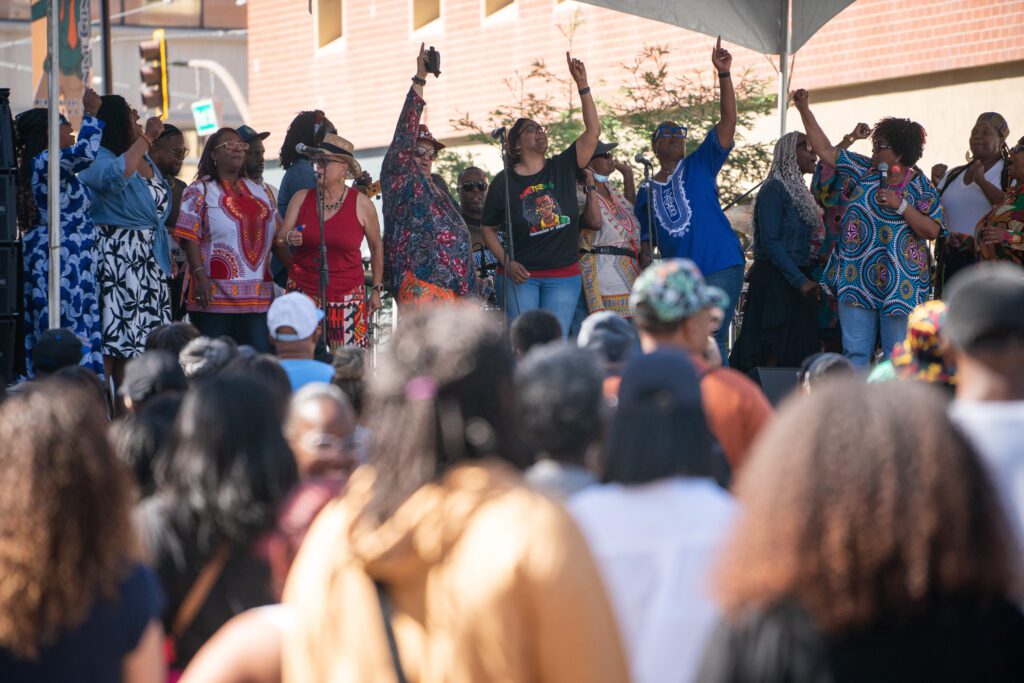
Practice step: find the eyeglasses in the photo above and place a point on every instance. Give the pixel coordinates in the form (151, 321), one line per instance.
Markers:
(670, 132)
(235, 146)
(533, 129)
(323, 443)
(421, 152)
(177, 152)
(478, 185)
(879, 146)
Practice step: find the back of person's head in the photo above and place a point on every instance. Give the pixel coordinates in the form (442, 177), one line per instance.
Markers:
(534, 328)
(140, 440)
(227, 464)
(659, 429)
(83, 378)
(670, 292)
(610, 336)
(204, 357)
(451, 395)
(559, 401)
(862, 501)
(985, 309)
(65, 514)
(308, 128)
(55, 349)
(150, 375)
(350, 373)
(267, 369)
(820, 367)
(171, 337)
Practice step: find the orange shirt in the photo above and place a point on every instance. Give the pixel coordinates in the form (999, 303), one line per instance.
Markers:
(735, 407)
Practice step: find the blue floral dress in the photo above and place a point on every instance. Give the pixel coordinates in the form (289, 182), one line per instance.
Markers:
(79, 305)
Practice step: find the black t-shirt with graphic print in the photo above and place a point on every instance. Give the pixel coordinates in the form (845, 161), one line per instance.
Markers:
(545, 215)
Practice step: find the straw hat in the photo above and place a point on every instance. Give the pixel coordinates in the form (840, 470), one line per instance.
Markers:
(341, 149)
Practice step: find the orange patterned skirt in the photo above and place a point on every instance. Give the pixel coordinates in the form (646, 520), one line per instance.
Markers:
(348, 316)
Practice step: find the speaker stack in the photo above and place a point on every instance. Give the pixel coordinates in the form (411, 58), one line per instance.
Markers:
(12, 353)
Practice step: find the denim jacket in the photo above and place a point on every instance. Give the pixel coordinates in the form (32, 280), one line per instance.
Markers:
(780, 236)
(127, 202)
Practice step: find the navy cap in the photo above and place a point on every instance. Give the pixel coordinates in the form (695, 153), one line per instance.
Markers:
(248, 134)
(668, 376)
(55, 349)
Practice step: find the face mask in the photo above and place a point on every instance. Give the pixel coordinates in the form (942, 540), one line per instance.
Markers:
(601, 178)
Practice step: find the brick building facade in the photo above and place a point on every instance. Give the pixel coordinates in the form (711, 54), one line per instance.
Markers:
(938, 61)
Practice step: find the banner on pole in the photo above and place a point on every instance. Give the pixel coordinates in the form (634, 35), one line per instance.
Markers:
(75, 60)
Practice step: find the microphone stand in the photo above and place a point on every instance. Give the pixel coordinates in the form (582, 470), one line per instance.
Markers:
(651, 232)
(324, 274)
(509, 247)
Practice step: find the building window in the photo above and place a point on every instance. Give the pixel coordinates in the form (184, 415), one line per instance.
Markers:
(492, 6)
(328, 21)
(424, 12)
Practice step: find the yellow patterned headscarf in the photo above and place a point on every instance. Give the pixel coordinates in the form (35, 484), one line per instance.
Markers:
(919, 356)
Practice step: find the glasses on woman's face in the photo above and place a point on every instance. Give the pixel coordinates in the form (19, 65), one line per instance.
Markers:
(470, 185)
(607, 155)
(879, 146)
(534, 128)
(178, 153)
(423, 152)
(234, 146)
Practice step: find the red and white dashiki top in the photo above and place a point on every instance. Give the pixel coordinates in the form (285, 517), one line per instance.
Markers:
(234, 223)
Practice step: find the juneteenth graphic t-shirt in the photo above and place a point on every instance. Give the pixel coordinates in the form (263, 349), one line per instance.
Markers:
(545, 215)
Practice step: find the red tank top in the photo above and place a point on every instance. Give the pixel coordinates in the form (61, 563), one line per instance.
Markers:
(344, 235)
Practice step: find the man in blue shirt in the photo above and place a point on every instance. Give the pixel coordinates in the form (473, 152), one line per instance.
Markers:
(294, 324)
(687, 215)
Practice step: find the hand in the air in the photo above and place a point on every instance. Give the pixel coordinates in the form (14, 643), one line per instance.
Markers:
(721, 57)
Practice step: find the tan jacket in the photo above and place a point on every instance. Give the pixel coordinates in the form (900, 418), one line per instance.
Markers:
(490, 581)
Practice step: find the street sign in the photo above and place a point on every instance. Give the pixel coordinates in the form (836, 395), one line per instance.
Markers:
(205, 117)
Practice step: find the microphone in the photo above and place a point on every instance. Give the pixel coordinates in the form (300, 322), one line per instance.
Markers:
(309, 152)
(883, 171)
(641, 159)
(498, 133)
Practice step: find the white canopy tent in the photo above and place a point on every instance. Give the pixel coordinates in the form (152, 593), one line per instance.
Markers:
(774, 27)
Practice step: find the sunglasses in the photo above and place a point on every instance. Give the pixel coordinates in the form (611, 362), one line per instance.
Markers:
(533, 129)
(670, 132)
(471, 185)
(422, 152)
(177, 152)
(235, 146)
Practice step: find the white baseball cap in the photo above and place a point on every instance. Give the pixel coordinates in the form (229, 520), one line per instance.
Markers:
(295, 310)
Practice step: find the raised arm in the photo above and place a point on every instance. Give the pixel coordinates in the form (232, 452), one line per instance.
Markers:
(137, 152)
(398, 158)
(587, 141)
(815, 135)
(726, 127)
(80, 155)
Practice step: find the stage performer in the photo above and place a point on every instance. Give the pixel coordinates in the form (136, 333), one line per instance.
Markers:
(688, 217)
(545, 213)
(881, 269)
(349, 216)
(427, 243)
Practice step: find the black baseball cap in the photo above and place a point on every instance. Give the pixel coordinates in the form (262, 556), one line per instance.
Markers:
(986, 300)
(55, 349)
(604, 147)
(151, 373)
(248, 134)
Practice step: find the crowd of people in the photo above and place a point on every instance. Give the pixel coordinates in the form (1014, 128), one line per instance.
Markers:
(205, 478)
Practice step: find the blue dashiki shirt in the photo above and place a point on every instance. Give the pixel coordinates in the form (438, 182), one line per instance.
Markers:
(880, 263)
(424, 232)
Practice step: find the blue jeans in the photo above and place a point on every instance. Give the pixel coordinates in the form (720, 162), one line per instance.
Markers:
(245, 328)
(557, 295)
(730, 281)
(861, 327)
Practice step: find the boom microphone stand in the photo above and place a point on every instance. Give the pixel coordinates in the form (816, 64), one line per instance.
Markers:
(322, 264)
(509, 247)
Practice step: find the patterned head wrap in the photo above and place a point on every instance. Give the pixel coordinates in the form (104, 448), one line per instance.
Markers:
(919, 356)
(996, 121)
(786, 171)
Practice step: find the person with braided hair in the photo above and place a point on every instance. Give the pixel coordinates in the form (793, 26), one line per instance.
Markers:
(79, 305)
(881, 268)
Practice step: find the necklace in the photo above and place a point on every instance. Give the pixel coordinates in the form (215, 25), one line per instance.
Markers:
(334, 206)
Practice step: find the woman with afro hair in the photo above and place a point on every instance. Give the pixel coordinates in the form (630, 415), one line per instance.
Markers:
(881, 268)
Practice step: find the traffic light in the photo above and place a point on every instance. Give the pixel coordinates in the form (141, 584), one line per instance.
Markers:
(153, 72)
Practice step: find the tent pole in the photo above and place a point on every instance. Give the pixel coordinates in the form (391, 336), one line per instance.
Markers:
(785, 44)
(53, 170)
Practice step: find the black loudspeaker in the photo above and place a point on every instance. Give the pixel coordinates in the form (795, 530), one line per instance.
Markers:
(8, 207)
(6, 131)
(776, 383)
(10, 280)
(8, 349)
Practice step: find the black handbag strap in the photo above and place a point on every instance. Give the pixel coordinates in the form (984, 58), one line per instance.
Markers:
(386, 611)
